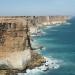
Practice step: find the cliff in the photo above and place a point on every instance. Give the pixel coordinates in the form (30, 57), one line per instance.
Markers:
(15, 46)
(47, 20)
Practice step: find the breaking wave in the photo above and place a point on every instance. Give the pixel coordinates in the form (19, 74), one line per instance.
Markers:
(51, 64)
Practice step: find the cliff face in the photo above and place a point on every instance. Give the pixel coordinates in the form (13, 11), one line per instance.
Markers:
(14, 43)
(15, 46)
(15, 34)
(45, 20)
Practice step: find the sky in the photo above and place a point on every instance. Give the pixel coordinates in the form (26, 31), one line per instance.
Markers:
(37, 7)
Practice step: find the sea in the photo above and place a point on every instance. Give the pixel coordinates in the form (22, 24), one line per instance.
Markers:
(58, 42)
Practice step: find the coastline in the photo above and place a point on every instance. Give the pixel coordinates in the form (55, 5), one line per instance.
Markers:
(51, 63)
(40, 60)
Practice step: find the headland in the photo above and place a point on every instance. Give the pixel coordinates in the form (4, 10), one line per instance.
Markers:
(16, 52)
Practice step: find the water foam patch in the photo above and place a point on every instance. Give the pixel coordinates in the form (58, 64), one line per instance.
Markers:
(50, 64)
(67, 23)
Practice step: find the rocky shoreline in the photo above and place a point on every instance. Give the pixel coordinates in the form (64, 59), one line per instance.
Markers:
(35, 59)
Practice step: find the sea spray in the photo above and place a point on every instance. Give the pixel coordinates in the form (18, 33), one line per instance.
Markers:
(50, 64)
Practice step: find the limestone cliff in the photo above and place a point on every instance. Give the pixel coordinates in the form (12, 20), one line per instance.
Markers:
(14, 42)
(14, 35)
(15, 31)
(45, 20)
(15, 46)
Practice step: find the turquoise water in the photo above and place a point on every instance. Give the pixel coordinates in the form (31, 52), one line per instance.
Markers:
(59, 43)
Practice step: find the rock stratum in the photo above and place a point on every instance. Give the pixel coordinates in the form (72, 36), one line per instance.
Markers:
(16, 52)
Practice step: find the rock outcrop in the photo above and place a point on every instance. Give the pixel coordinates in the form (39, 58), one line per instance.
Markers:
(36, 60)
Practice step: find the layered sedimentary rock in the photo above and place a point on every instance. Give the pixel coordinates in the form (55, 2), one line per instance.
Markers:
(13, 35)
(45, 20)
(14, 42)
(14, 30)
(37, 21)
(15, 45)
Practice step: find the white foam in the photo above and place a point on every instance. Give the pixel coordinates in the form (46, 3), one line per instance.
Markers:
(54, 30)
(31, 72)
(33, 35)
(49, 26)
(67, 23)
(50, 64)
(43, 33)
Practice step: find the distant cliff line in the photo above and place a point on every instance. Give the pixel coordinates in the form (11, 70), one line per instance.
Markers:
(50, 19)
(34, 20)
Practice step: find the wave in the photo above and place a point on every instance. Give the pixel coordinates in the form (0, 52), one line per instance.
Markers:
(54, 30)
(51, 64)
(68, 23)
(49, 26)
(38, 34)
(41, 32)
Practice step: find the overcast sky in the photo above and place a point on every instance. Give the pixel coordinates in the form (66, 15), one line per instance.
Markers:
(37, 7)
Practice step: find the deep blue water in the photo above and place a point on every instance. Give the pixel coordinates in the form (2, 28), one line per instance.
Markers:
(59, 42)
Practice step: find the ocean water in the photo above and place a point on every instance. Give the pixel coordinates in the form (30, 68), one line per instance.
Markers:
(59, 43)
